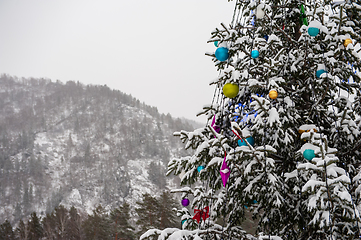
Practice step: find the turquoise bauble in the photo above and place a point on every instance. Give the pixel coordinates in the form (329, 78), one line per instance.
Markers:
(200, 168)
(250, 140)
(222, 54)
(183, 221)
(313, 32)
(320, 72)
(309, 154)
(215, 43)
(254, 54)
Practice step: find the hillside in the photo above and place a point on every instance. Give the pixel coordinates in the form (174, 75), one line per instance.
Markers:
(78, 145)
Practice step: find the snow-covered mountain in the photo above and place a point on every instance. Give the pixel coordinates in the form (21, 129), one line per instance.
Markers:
(79, 146)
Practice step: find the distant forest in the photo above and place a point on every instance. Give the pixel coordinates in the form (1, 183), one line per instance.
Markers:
(59, 137)
(63, 224)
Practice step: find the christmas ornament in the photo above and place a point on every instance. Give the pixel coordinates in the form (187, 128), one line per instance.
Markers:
(183, 221)
(230, 90)
(313, 31)
(266, 37)
(307, 128)
(250, 140)
(309, 154)
(200, 168)
(221, 54)
(225, 172)
(303, 17)
(201, 213)
(254, 54)
(259, 11)
(215, 127)
(347, 42)
(185, 202)
(320, 72)
(215, 43)
(273, 94)
(254, 202)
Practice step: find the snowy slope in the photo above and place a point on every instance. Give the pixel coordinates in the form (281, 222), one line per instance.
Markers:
(79, 146)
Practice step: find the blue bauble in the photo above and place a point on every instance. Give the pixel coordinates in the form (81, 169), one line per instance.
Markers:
(254, 54)
(200, 168)
(309, 154)
(250, 140)
(266, 37)
(183, 221)
(313, 32)
(215, 43)
(222, 54)
(320, 72)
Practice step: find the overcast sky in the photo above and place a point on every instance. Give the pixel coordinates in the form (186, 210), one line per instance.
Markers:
(151, 49)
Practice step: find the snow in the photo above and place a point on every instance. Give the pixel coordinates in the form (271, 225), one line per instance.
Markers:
(312, 184)
(307, 127)
(273, 117)
(74, 199)
(215, 160)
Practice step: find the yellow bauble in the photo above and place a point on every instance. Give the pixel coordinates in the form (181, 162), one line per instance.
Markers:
(273, 94)
(300, 131)
(230, 90)
(347, 42)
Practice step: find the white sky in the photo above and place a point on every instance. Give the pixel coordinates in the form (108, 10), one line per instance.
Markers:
(151, 49)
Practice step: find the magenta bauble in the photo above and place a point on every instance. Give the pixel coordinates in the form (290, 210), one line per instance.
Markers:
(185, 202)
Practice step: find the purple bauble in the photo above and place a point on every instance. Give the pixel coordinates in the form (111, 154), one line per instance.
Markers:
(185, 202)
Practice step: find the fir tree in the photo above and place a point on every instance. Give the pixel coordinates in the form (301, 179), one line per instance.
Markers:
(22, 231)
(147, 212)
(283, 133)
(73, 228)
(166, 213)
(120, 219)
(6, 231)
(157, 174)
(61, 219)
(97, 226)
(49, 227)
(34, 227)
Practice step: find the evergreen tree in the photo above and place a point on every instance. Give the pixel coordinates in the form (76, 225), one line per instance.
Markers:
(283, 133)
(17, 212)
(148, 212)
(49, 228)
(157, 174)
(73, 228)
(22, 231)
(6, 231)
(97, 225)
(34, 227)
(26, 199)
(166, 212)
(120, 219)
(61, 219)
